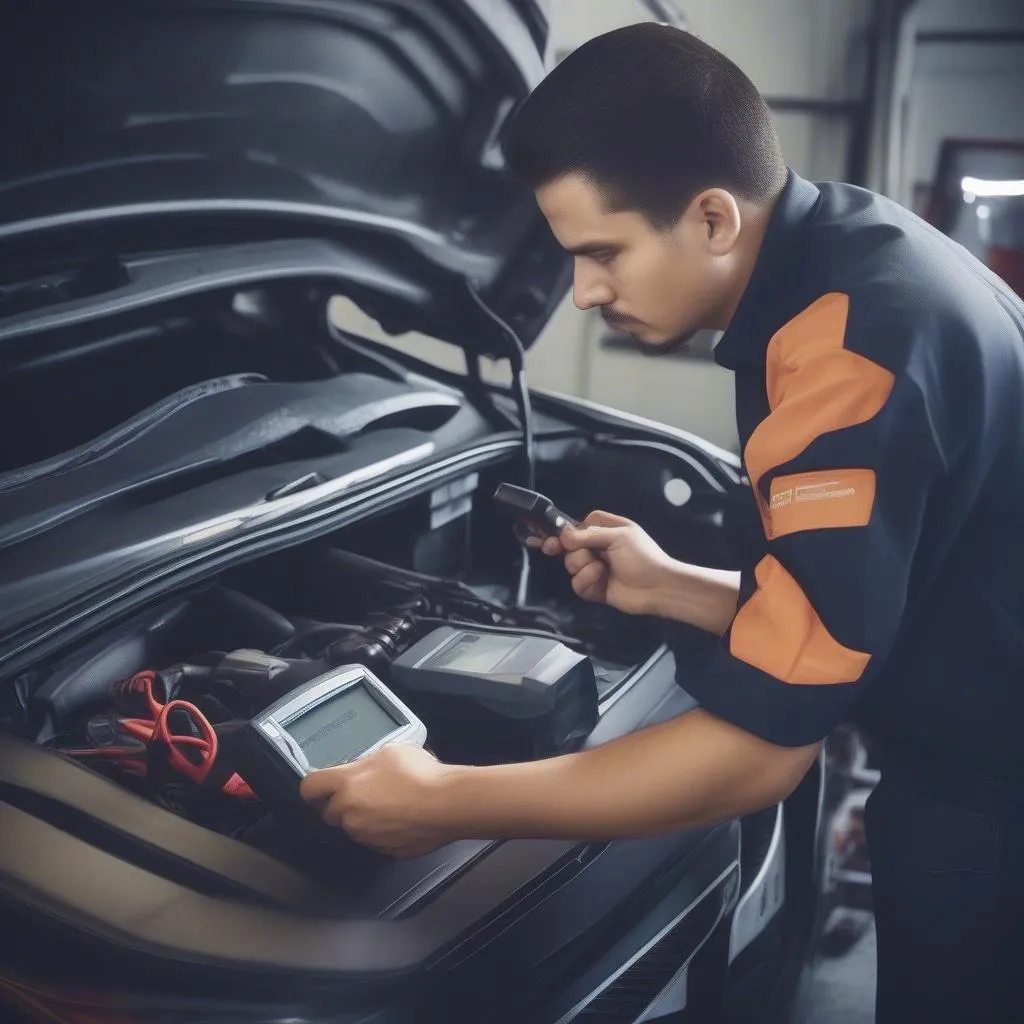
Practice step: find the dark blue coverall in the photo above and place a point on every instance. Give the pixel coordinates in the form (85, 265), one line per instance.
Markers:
(880, 403)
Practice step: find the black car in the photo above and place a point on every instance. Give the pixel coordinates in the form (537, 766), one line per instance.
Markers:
(207, 484)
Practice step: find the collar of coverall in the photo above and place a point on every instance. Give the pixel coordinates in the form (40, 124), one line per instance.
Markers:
(776, 272)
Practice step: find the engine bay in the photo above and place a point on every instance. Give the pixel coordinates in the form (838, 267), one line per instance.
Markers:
(153, 706)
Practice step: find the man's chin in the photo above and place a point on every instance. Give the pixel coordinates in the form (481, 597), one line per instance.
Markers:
(657, 347)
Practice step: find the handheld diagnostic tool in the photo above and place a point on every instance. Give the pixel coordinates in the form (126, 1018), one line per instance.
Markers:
(333, 719)
(497, 694)
(536, 512)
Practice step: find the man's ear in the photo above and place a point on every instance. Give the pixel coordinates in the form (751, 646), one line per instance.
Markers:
(720, 219)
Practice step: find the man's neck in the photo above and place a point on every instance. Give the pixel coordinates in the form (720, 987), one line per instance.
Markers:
(755, 226)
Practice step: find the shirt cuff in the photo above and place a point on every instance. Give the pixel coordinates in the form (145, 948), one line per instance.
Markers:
(786, 714)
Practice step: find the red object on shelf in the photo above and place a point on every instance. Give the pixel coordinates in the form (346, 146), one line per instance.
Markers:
(1008, 263)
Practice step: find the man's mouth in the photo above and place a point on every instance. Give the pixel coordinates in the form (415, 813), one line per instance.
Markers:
(680, 343)
(632, 327)
(619, 321)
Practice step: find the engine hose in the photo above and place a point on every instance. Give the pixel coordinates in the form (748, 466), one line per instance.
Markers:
(442, 593)
(298, 643)
(443, 596)
(398, 576)
(382, 569)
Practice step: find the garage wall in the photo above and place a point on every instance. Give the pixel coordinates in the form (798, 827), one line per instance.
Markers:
(961, 75)
(792, 49)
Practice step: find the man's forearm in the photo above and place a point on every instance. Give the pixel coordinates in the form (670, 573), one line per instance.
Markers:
(691, 771)
(705, 598)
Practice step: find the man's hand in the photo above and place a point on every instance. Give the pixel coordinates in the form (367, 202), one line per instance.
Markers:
(613, 560)
(384, 800)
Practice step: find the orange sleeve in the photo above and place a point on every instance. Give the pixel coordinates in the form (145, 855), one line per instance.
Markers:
(842, 468)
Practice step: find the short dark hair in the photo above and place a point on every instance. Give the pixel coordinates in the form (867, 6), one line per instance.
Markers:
(651, 115)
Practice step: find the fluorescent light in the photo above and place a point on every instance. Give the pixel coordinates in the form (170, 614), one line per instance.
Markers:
(992, 189)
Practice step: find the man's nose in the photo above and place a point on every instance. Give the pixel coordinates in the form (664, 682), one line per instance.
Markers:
(590, 288)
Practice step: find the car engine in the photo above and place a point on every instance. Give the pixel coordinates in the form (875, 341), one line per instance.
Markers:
(194, 673)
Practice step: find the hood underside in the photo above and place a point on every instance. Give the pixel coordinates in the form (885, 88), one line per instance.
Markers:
(165, 125)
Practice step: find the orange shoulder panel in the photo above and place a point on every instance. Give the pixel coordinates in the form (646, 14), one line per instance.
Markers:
(779, 632)
(815, 386)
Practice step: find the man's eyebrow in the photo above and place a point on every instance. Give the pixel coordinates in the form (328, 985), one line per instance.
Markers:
(592, 248)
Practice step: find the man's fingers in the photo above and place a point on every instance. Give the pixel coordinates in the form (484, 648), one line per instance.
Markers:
(591, 581)
(596, 538)
(576, 560)
(334, 812)
(552, 546)
(601, 518)
(319, 786)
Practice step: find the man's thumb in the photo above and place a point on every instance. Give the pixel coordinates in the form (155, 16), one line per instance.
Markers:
(594, 538)
(601, 518)
(320, 785)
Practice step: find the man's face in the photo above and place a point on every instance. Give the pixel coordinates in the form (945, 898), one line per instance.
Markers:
(660, 286)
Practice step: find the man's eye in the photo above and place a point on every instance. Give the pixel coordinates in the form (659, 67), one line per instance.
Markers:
(604, 256)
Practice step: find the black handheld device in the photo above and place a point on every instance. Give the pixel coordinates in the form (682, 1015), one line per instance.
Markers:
(331, 720)
(536, 512)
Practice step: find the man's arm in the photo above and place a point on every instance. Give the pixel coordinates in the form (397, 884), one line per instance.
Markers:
(694, 770)
(699, 596)
(691, 771)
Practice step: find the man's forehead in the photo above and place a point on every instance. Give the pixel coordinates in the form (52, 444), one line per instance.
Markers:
(578, 216)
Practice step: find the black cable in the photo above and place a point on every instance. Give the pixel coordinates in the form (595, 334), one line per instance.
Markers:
(396, 576)
(520, 386)
(297, 644)
(521, 391)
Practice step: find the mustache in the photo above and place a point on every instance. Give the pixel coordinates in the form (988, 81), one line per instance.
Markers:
(622, 322)
(615, 319)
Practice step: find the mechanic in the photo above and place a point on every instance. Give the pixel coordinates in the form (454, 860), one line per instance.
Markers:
(879, 374)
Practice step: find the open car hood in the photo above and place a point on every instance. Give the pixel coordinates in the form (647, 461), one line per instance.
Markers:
(170, 125)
